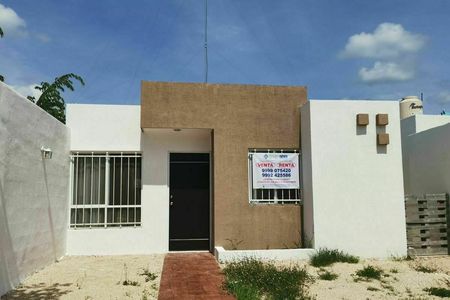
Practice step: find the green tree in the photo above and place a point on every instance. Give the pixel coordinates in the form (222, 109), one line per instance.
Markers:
(51, 100)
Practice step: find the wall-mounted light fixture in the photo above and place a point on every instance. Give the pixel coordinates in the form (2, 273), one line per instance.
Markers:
(46, 153)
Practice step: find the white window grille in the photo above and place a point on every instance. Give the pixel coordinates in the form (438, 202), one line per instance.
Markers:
(272, 196)
(105, 190)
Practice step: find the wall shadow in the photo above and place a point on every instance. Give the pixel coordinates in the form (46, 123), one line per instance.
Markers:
(38, 291)
(9, 273)
(49, 210)
(361, 130)
(381, 149)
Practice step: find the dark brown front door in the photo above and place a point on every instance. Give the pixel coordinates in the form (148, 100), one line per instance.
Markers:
(189, 201)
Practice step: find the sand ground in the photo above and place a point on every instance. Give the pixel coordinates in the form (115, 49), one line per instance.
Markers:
(102, 277)
(93, 277)
(401, 280)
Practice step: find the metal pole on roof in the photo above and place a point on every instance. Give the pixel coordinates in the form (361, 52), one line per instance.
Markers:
(206, 41)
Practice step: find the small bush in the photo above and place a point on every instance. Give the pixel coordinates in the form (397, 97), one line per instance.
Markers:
(253, 279)
(395, 271)
(371, 288)
(424, 269)
(243, 291)
(149, 276)
(130, 282)
(327, 275)
(325, 257)
(438, 292)
(127, 281)
(402, 258)
(369, 272)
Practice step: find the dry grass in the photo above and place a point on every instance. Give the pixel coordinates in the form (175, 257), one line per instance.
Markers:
(396, 279)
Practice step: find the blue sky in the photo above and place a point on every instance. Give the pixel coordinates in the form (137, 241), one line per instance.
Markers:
(350, 49)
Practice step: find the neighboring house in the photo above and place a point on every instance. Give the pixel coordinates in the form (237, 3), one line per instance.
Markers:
(426, 158)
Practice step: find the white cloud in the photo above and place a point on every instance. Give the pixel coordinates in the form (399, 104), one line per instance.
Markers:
(392, 49)
(27, 90)
(386, 72)
(389, 40)
(11, 23)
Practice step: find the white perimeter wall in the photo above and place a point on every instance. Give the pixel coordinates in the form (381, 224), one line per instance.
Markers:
(353, 196)
(425, 122)
(33, 191)
(117, 128)
(426, 163)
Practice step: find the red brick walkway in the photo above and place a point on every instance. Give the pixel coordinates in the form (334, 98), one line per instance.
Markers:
(191, 276)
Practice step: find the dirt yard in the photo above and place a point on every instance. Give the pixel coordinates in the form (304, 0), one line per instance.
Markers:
(94, 277)
(120, 277)
(400, 279)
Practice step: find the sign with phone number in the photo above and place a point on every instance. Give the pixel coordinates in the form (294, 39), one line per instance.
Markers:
(275, 171)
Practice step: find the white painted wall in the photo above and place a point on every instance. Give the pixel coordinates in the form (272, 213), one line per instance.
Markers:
(425, 144)
(33, 191)
(425, 122)
(353, 188)
(418, 123)
(104, 127)
(155, 145)
(307, 184)
(427, 161)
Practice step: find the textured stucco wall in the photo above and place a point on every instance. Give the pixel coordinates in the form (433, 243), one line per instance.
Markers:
(242, 117)
(33, 191)
(356, 187)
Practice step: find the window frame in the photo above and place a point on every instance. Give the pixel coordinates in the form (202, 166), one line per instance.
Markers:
(108, 175)
(298, 193)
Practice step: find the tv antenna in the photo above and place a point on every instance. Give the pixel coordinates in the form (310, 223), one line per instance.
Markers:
(206, 41)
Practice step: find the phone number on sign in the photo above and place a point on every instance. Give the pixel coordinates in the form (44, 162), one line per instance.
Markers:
(276, 173)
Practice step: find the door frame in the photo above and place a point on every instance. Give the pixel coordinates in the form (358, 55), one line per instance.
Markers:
(211, 194)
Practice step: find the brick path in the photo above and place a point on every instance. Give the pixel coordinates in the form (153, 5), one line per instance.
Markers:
(191, 276)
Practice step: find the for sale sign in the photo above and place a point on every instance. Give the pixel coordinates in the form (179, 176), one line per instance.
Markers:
(275, 171)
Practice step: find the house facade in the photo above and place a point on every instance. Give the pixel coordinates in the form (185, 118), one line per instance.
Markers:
(187, 148)
(179, 172)
(203, 167)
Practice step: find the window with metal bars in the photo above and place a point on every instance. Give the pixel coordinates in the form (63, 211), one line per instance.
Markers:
(271, 196)
(106, 189)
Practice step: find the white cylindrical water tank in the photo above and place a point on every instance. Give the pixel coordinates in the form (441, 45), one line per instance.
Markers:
(410, 106)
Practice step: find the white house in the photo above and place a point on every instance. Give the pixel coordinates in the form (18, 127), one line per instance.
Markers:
(202, 167)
